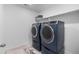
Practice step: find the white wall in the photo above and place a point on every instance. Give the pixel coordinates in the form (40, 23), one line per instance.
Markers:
(16, 25)
(1, 22)
(72, 38)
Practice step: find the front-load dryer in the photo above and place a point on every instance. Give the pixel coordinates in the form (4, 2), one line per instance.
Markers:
(36, 39)
(52, 37)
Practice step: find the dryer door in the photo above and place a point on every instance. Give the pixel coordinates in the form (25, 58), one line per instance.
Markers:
(34, 31)
(47, 33)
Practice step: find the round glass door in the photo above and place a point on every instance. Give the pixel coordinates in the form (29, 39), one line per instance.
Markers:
(47, 34)
(34, 31)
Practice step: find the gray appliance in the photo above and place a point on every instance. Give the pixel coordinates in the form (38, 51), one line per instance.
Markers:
(52, 37)
(36, 39)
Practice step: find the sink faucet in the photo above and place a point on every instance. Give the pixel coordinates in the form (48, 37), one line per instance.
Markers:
(3, 45)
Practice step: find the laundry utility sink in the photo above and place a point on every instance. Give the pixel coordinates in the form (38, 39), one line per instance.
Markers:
(2, 48)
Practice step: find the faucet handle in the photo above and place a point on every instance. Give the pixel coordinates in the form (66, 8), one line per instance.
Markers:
(2, 45)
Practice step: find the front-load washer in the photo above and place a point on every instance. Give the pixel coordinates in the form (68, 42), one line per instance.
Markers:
(52, 37)
(36, 39)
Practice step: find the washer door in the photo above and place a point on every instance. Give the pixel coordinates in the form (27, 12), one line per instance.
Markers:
(47, 33)
(34, 31)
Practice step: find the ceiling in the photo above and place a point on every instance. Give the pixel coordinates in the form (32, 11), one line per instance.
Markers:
(39, 7)
(42, 7)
